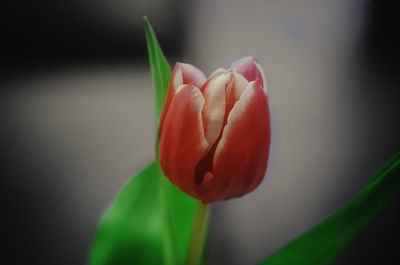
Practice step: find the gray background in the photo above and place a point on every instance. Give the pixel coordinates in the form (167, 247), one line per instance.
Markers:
(77, 115)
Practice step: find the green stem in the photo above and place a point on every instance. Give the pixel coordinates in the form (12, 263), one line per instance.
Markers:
(199, 232)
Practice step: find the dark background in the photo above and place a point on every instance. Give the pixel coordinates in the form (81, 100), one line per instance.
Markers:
(76, 109)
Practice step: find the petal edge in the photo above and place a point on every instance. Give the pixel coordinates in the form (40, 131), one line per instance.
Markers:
(182, 141)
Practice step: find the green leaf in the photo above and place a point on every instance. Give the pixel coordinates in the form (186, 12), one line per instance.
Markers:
(141, 226)
(159, 68)
(150, 221)
(131, 229)
(324, 242)
(181, 209)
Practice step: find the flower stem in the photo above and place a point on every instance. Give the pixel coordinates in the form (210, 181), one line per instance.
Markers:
(198, 236)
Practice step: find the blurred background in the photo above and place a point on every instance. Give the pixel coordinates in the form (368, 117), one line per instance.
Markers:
(77, 116)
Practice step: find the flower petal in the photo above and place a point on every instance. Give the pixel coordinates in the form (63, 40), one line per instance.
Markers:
(220, 99)
(234, 91)
(251, 70)
(214, 107)
(182, 141)
(192, 75)
(241, 156)
(182, 74)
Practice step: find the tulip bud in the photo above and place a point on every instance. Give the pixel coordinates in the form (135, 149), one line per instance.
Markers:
(215, 132)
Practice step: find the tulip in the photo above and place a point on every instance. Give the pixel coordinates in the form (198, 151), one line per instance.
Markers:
(215, 132)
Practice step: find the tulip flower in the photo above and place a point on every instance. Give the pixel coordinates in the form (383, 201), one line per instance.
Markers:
(215, 132)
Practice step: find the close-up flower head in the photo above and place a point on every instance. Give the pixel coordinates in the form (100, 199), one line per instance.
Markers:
(215, 132)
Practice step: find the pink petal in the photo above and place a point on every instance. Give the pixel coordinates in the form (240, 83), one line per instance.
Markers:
(182, 74)
(241, 156)
(192, 75)
(251, 70)
(182, 141)
(221, 91)
(234, 91)
(214, 107)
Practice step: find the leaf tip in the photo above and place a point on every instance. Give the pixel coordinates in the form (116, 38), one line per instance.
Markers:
(147, 26)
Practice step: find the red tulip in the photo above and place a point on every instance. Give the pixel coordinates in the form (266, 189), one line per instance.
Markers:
(215, 132)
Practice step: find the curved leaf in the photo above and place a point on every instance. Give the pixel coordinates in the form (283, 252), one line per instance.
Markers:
(159, 68)
(131, 229)
(325, 241)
